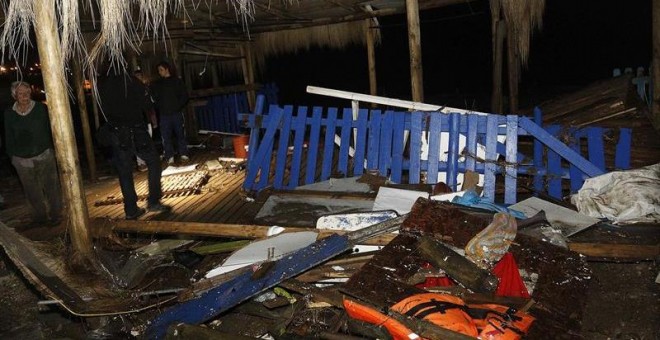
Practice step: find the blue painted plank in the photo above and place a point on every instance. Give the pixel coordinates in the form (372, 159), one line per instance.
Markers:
(397, 146)
(345, 134)
(538, 152)
(231, 293)
(554, 168)
(361, 142)
(385, 147)
(283, 148)
(374, 139)
(576, 176)
(471, 141)
(313, 147)
(260, 165)
(329, 145)
(596, 147)
(562, 149)
(300, 129)
(255, 132)
(511, 175)
(434, 137)
(452, 156)
(491, 158)
(622, 157)
(415, 147)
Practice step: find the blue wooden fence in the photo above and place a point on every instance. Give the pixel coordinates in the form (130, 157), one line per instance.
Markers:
(221, 112)
(374, 140)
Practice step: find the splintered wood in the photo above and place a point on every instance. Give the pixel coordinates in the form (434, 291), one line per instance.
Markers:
(183, 184)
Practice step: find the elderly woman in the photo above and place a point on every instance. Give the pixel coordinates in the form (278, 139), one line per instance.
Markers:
(29, 143)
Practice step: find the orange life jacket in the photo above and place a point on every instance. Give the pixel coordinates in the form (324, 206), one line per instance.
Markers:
(444, 310)
(487, 321)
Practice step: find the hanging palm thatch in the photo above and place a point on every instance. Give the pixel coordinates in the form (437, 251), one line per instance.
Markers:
(522, 17)
(121, 24)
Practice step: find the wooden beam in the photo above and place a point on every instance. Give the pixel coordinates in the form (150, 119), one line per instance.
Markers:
(655, 109)
(513, 68)
(617, 251)
(78, 80)
(415, 47)
(247, 65)
(223, 90)
(66, 151)
(103, 228)
(371, 57)
(497, 104)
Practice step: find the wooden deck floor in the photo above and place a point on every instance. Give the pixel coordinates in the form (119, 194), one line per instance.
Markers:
(219, 200)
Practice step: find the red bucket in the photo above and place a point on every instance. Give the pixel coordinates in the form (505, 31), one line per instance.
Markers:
(241, 145)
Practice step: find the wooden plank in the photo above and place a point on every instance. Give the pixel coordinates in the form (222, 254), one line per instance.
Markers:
(452, 156)
(622, 158)
(346, 129)
(538, 152)
(616, 251)
(471, 141)
(262, 152)
(554, 175)
(596, 147)
(361, 142)
(415, 147)
(434, 136)
(374, 138)
(283, 148)
(300, 129)
(574, 173)
(397, 146)
(329, 145)
(553, 143)
(313, 147)
(511, 174)
(491, 157)
(385, 144)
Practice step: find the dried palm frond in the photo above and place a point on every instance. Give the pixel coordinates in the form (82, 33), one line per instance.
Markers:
(522, 17)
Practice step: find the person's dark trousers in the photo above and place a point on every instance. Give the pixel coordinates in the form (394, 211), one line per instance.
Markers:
(171, 127)
(126, 143)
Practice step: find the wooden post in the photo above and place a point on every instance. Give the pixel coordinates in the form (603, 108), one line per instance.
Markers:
(248, 71)
(513, 67)
(191, 121)
(84, 118)
(497, 105)
(415, 47)
(52, 68)
(655, 109)
(371, 57)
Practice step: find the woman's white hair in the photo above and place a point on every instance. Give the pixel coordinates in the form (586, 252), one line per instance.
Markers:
(15, 85)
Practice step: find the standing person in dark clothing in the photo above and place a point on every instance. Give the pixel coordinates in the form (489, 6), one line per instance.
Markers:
(29, 143)
(170, 96)
(123, 102)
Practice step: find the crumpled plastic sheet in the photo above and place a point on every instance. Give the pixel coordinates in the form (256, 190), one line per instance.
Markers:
(631, 196)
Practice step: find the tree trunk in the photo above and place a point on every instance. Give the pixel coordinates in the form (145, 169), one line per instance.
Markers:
(52, 67)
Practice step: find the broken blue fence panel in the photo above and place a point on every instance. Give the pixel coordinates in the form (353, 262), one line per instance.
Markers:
(231, 293)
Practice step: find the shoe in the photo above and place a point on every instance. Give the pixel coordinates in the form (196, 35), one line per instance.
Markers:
(142, 167)
(137, 214)
(170, 161)
(185, 159)
(159, 208)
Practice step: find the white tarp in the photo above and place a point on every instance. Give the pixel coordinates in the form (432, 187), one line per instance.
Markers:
(630, 196)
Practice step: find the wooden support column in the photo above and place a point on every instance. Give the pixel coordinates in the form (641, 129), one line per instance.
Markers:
(248, 71)
(84, 118)
(371, 57)
(655, 109)
(191, 121)
(415, 47)
(513, 68)
(497, 104)
(215, 79)
(52, 68)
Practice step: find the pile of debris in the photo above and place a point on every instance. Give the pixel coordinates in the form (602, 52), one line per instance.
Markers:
(382, 261)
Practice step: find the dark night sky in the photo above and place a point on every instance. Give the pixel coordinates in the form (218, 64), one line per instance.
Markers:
(580, 42)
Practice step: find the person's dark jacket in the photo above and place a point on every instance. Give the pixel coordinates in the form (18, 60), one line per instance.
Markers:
(170, 95)
(123, 100)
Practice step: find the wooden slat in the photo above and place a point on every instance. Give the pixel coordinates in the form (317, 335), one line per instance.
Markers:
(314, 137)
(328, 145)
